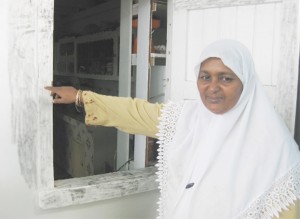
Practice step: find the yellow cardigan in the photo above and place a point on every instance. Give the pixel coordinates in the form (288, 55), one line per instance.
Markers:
(136, 116)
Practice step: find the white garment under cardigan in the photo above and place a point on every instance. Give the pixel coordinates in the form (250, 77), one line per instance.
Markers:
(242, 164)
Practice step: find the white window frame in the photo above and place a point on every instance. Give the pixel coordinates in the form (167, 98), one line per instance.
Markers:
(59, 193)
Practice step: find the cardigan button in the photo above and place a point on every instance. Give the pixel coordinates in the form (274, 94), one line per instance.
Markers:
(189, 185)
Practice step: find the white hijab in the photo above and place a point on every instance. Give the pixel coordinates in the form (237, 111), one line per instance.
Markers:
(242, 164)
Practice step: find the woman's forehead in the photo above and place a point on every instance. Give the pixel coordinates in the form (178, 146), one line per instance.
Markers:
(214, 63)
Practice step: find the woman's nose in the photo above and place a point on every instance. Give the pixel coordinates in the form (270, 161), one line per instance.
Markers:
(214, 85)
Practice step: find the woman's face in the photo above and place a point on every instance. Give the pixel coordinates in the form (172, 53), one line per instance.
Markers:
(219, 87)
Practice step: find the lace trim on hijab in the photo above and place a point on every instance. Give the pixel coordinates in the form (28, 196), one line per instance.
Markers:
(167, 127)
(282, 194)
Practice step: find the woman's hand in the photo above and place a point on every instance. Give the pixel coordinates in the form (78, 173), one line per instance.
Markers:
(63, 95)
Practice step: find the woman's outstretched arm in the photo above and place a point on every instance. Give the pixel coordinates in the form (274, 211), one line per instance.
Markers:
(134, 116)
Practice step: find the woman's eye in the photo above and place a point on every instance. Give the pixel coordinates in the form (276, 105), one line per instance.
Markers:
(204, 77)
(226, 79)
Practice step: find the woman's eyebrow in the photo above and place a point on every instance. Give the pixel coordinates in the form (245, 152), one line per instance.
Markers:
(203, 71)
(226, 73)
(219, 73)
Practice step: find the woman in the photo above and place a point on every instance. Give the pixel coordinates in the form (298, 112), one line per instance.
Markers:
(226, 156)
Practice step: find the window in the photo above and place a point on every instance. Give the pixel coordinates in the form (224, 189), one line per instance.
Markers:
(88, 60)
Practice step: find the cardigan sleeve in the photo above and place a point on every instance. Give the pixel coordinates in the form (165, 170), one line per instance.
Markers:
(292, 212)
(134, 116)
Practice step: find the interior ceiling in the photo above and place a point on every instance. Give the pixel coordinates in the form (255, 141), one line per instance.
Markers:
(66, 8)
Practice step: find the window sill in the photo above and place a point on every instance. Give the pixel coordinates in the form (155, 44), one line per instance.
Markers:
(99, 187)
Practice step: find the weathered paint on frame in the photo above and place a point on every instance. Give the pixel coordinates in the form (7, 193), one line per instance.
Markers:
(31, 60)
(26, 64)
(196, 4)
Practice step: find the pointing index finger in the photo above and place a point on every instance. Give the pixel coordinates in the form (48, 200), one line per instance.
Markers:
(52, 89)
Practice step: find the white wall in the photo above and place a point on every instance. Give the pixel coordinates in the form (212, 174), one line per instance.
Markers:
(17, 200)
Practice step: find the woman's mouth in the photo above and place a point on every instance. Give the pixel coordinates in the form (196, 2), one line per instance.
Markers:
(214, 100)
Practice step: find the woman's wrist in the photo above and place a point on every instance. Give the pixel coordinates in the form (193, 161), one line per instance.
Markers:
(78, 100)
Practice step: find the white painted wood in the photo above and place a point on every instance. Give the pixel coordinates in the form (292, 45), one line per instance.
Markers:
(143, 34)
(262, 48)
(30, 69)
(245, 25)
(169, 72)
(94, 188)
(267, 28)
(228, 22)
(277, 17)
(156, 86)
(196, 4)
(142, 73)
(287, 80)
(198, 37)
(44, 70)
(124, 75)
(177, 70)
